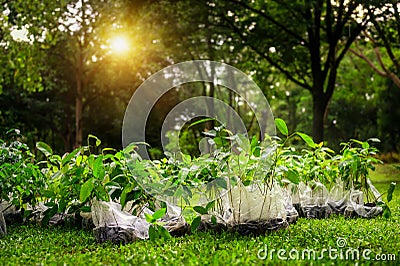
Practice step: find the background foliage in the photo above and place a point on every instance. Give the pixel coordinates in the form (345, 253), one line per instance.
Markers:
(65, 64)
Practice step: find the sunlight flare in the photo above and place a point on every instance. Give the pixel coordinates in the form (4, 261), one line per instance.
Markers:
(119, 45)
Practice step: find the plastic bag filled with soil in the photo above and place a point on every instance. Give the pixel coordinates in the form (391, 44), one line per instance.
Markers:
(113, 224)
(87, 221)
(291, 213)
(37, 212)
(207, 224)
(3, 226)
(254, 209)
(79, 220)
(71, 219)
(338, 197)
(314, 200)
(174, 221)
(294, 192)
(357, 207)
(11, 214)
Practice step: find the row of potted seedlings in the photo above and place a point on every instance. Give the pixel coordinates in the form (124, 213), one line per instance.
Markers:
(254, 205)
(242, 186)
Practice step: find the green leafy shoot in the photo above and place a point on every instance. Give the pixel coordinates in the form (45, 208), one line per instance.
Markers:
(44, 148)
(282, 127)
(195, 224)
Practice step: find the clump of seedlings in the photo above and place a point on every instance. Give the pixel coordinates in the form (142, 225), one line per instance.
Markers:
(364, 200)
(241, 185)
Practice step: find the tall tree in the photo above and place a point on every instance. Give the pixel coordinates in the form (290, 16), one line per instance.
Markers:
(195, 24)
(304, 40)
(109, 51)
(24, 31)
(82, 33)
(68, 46)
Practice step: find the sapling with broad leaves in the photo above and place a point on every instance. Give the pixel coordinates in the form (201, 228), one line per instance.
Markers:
(358, 158)
(21, 181)
(77, 178)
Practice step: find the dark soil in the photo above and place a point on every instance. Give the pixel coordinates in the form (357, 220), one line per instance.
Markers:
(115, 234)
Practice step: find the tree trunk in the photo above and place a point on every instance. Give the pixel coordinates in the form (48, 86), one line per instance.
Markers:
(78, 106)
(78, 116)
(210, 104)
(319, 109)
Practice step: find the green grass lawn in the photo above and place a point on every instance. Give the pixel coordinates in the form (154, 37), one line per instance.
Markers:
(30, 244)
(385, 173)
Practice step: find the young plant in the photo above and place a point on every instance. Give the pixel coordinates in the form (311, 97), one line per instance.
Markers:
(156, 229)
(287, 159)
(387, 213)
(80, 176)
(202, 211)
(358, 158)
(21, 181)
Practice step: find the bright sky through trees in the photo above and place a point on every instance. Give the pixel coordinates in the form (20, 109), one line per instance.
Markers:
(119, 45)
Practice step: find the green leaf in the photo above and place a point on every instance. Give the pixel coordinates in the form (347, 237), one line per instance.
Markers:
(356, 141)
(49, 194)
(195, 224)
(214, 220)
(247, 182)
(163, 233)
(200, 209)
(48, 214)
(293, 176)
(67, 158)
(201, 121)
(86, 209)
(152, 232)
(179, 192)
(380, 203)
(124, 194)
(254, 142)
(281, 125)
(186, 158)
(243, 142)
(98, 141)
(386, 212)
(307, 139)
(218, 141)
(149, 218)
(86, 190)
(160, 213)
(98, 169)
(210, 205)
(221, 182)
(163, 204)
(112, 185)
(131, 147)
(45, 148)
(62, 205)
(27, 213)
(256, 151)
(79, 160)
(188, 192)
(157, 231)
(390, 191)
(365, 145)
